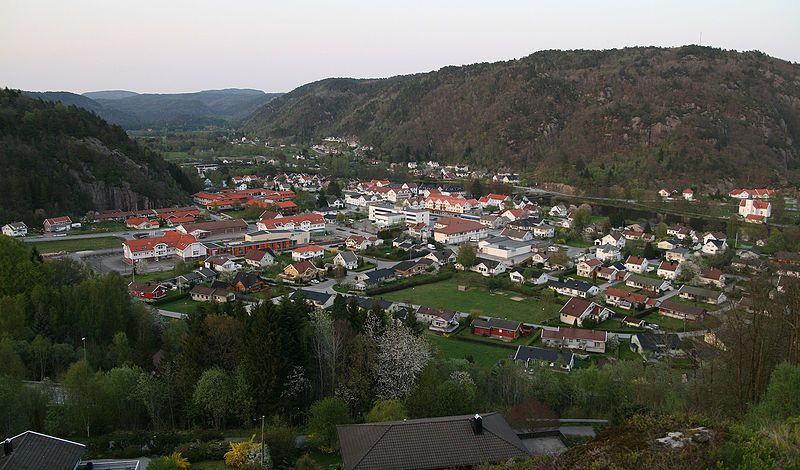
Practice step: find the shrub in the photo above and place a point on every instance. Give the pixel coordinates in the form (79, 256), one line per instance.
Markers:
(198, 451)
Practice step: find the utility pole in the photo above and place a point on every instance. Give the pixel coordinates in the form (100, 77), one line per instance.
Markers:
(84, 347)
(262, 441)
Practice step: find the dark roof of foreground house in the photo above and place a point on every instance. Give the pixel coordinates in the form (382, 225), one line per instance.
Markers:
(430, 443)
(34, 451)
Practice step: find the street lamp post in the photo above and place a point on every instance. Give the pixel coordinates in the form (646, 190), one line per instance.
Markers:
(84, 347)
(262, 441)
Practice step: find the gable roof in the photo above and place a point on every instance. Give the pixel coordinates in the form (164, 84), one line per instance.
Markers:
(303, 266)
(656, 342)
(500, 323)
(429, 443)
(258, 255)
(313, 296)
(34, 451)
(524, 353)
(347, 256)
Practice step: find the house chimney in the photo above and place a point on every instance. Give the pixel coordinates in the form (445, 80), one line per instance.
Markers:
(8, 447)
(477, 424)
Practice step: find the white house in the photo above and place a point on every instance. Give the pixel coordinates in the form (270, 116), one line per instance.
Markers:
(220, 264)
(307, 252)
(636, 264)
(544, 231)
(488, 267)
(688, 194)
(559, 211)
(15, 229)
(713, 247)
(577, 310)
(346, 259)
(614, 238)
(455, 231)
(668, 270)
(608, 253)
(755, 210)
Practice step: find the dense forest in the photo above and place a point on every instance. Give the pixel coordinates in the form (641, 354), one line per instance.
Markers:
(132, 384)
(64, 160)
(641, 117)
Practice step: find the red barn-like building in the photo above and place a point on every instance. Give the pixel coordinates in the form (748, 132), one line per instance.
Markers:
(147, 291)
(497, 328)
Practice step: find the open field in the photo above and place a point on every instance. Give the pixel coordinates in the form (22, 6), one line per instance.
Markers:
(484, 354)
(445, 294)
(81, 244)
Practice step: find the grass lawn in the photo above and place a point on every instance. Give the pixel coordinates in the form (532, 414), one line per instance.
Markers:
(81, 244)
(445, 294)
(675, 324)
(365, 266)
(184, 305)
(157, 275)
(580, 243)
(485, 355)
(708, 307)
(176, 156)
(105, 226)
(616, 325)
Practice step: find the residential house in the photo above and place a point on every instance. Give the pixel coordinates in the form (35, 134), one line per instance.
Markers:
(141, 223)
(454, 231)
(514, 214)
(440, 319)
(702, 295)
(544, 231)
(714, 247)
(608, 274)
(614, 238)
(575, 338)
(260, 258)
(628, 300)
(633, 322)
(678, 254)
(657, 345)
(681, 311)
(430, 443)
(688, 194)
(573, 288)
(15, 229)
(588, 267)
(442, 257)
(535, 277)
(669, 244)
(307, 252)
(57, 224)
(608, 253)
(507, 330)
(188, 279)
(412, 267)
(713, 277)
(752, 193)
(635, 264)
(374, 277)
(550, 358)
(33, 451)
(221, 264)
(576, 311)
(669, 270)
(649, 284)
(248, 282)
(559, 210)
(755, 209)
(680, 232)
(359, 243)
(346, 259)
(526, 224)
(300, 271)
(518, 235)
(320, 300)
(488, 267)
(714, 236)
(421, 230)
(210, 294)
(147, 291)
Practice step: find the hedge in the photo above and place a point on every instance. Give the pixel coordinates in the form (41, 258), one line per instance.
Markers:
(170, 298)
(408, 284)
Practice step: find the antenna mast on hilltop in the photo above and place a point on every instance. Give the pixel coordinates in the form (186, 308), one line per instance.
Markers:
(701, 39)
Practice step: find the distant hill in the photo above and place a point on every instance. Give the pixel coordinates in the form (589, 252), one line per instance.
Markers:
(109, 94)
(178, 110)
(60, 159)
(635, 117)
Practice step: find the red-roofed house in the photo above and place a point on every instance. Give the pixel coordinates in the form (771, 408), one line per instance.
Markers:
(636, 264)
(688, 194)
(57, 224)
(578, 310)
(307, 252)
(495, 200)
(755, 207)
(305, 222)
(714, 277)
(140, 223)
(147, 291)
(668, 270)
(300, 271)
(172, 243)
(287, 207)
(455, 230)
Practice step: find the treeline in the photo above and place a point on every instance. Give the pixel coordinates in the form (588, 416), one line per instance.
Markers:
(61, 159)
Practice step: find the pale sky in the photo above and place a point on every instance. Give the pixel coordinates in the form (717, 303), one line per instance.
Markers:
(177, 45)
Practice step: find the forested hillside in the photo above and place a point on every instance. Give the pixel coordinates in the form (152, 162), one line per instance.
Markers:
(638, 116)
(59, 159)
(133, 110)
